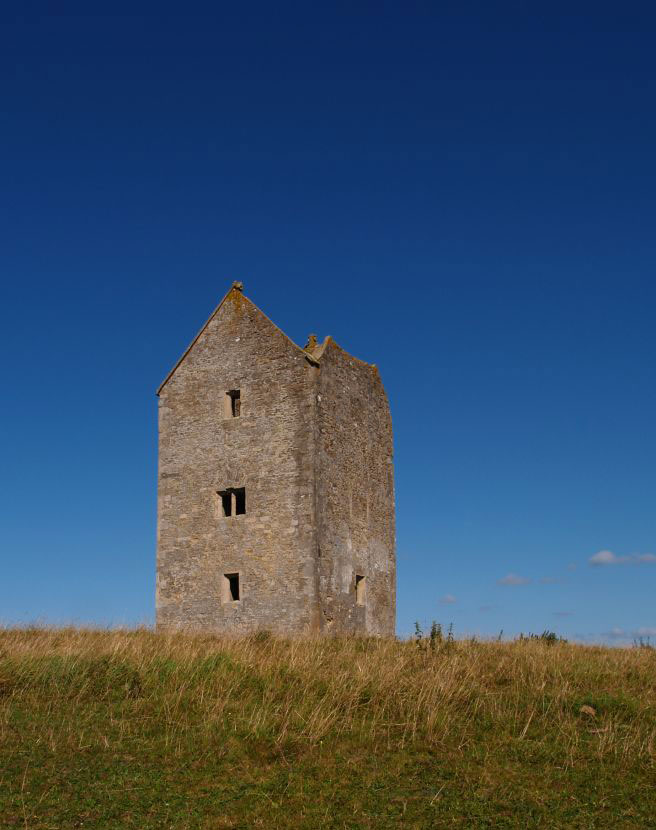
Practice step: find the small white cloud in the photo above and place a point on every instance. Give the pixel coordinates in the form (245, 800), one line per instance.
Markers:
(645, 631)
(607, 557)
(616, 633)
(604, 557)
(513, 579)
(448, 599)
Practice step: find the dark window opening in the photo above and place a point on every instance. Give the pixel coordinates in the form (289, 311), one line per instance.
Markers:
(226, 502)
(240, 501)
(231, 582)
(359, 589)
(233, 400)
(232, 501)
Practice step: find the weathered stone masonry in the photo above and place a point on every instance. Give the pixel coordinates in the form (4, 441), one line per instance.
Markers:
(308, 448)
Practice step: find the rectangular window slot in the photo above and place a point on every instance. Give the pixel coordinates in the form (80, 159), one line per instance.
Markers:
(240, 501)
(225, 502)
(230, 588)
(360, 588)
(232, 403)
(232, 502)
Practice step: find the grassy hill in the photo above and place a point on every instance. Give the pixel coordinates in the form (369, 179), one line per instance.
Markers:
(129, 729)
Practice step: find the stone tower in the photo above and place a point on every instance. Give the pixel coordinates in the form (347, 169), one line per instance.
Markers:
(275, 505)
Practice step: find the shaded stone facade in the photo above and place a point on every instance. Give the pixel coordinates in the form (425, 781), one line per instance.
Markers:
(275, 485)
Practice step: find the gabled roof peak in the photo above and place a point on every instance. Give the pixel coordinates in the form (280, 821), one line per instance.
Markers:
(313, 350)
(236, 294)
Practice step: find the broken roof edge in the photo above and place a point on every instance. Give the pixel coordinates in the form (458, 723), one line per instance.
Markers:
(236, 286)
(318, 353)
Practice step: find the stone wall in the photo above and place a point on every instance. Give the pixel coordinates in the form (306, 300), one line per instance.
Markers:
(268, 450)
(355, 496)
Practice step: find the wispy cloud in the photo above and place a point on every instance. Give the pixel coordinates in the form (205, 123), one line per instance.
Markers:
(448, 599)
(563, 613)
(622, 634)
(607, 557)
(549, 580)
(513, 579)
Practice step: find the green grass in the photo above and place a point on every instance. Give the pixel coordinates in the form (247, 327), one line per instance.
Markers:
(129, 729)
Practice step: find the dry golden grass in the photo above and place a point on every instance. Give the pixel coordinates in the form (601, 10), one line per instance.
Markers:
(263, 731)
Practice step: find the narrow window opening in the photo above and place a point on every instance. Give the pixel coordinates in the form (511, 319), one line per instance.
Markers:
(225, 502)
(232, 501)
(233, 403)
(360, 587)
(231, 587)
(240, 501)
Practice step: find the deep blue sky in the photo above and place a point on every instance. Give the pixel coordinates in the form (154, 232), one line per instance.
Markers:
(463, 194)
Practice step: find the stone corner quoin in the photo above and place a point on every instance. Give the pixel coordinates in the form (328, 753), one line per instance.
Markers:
(275, 502)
